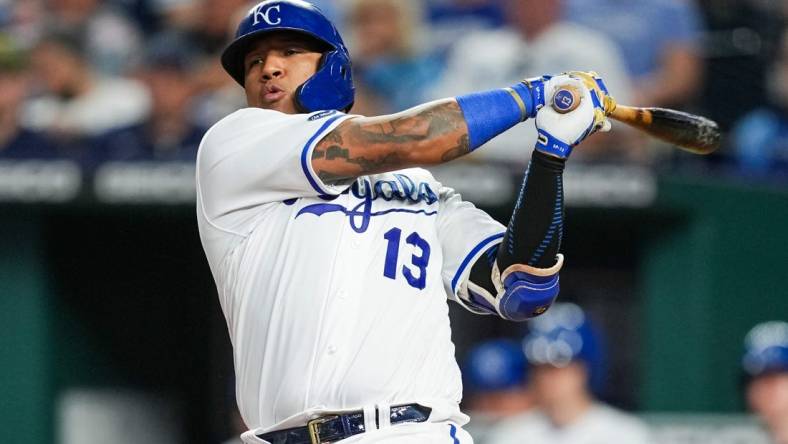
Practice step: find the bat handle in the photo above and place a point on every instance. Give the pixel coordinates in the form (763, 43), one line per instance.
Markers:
(566, 99)
(629, 114)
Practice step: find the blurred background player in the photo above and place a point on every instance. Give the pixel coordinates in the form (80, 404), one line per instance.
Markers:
(760, 138)
(77, 103)
(495, 385)
(112, 43)
(765, 365)
(565, 356)
(169, 132)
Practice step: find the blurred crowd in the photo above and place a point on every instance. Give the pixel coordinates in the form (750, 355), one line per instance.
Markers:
(129, 80)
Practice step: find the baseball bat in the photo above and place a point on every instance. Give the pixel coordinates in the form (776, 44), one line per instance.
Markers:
(689, 132)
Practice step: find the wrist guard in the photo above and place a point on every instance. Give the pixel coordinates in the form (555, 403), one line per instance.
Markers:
(490, 113)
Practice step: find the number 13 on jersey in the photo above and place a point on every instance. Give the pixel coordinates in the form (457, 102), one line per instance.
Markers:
(415, 273)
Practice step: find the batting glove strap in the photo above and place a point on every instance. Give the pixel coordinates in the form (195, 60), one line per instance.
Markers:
(548, 144)
(535, 97)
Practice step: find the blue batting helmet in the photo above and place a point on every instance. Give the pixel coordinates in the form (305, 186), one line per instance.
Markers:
(332, 85)
(766, 349)
(562, 335)
(497, 364)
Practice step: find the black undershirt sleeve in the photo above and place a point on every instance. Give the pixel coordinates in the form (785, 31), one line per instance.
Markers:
(533, 236)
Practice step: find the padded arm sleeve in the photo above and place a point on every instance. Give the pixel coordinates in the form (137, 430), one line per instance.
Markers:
(528, 255)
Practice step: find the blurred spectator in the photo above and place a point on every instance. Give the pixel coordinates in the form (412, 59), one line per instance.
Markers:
(215, 21)
(388, 59)
(5, 12)
(22, 21)
(565, 357)
(169, 132)
(659, 40)
(330, 9)
(207, 22)
(765, 365)
(174, 15)
(740, 41)
(494, 382)
(218, 94)
(15, 141)
(760, 138)
(141, 13)
(450, 20)
(109, 39)
(537, 42)
(77, 103)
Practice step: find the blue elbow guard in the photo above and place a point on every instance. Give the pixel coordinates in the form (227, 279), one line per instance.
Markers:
(526, 295)
(523, 292)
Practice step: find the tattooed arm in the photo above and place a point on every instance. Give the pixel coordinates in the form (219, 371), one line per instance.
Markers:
(429, 134)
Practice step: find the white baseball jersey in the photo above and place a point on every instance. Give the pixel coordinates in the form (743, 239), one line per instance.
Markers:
(601, 424)
(335, 296)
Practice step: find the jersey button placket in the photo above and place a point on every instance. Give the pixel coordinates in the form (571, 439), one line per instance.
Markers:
(348, 238)
(341, 298)
(344, 281)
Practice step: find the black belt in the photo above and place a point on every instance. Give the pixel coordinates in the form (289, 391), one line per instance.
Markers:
(332, 428)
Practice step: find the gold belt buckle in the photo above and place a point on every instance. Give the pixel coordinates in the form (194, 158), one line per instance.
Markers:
(314, 434)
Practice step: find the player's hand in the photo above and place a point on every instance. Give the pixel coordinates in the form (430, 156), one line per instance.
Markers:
(597, 86)
(559, 133)
(542, 89)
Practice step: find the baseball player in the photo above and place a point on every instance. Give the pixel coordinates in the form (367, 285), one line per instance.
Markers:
(333, 255)
(765, 364)
(565, 359)
(494, 378)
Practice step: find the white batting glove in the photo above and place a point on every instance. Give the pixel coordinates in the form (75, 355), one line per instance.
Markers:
(559, 133)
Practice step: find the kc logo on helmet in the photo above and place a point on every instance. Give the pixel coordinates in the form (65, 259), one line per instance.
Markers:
(266, 15)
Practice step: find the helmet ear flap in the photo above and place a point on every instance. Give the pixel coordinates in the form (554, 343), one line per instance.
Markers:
(331, 87)
(299, 105)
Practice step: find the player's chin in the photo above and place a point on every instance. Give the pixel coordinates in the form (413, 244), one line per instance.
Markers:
(283, 105)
